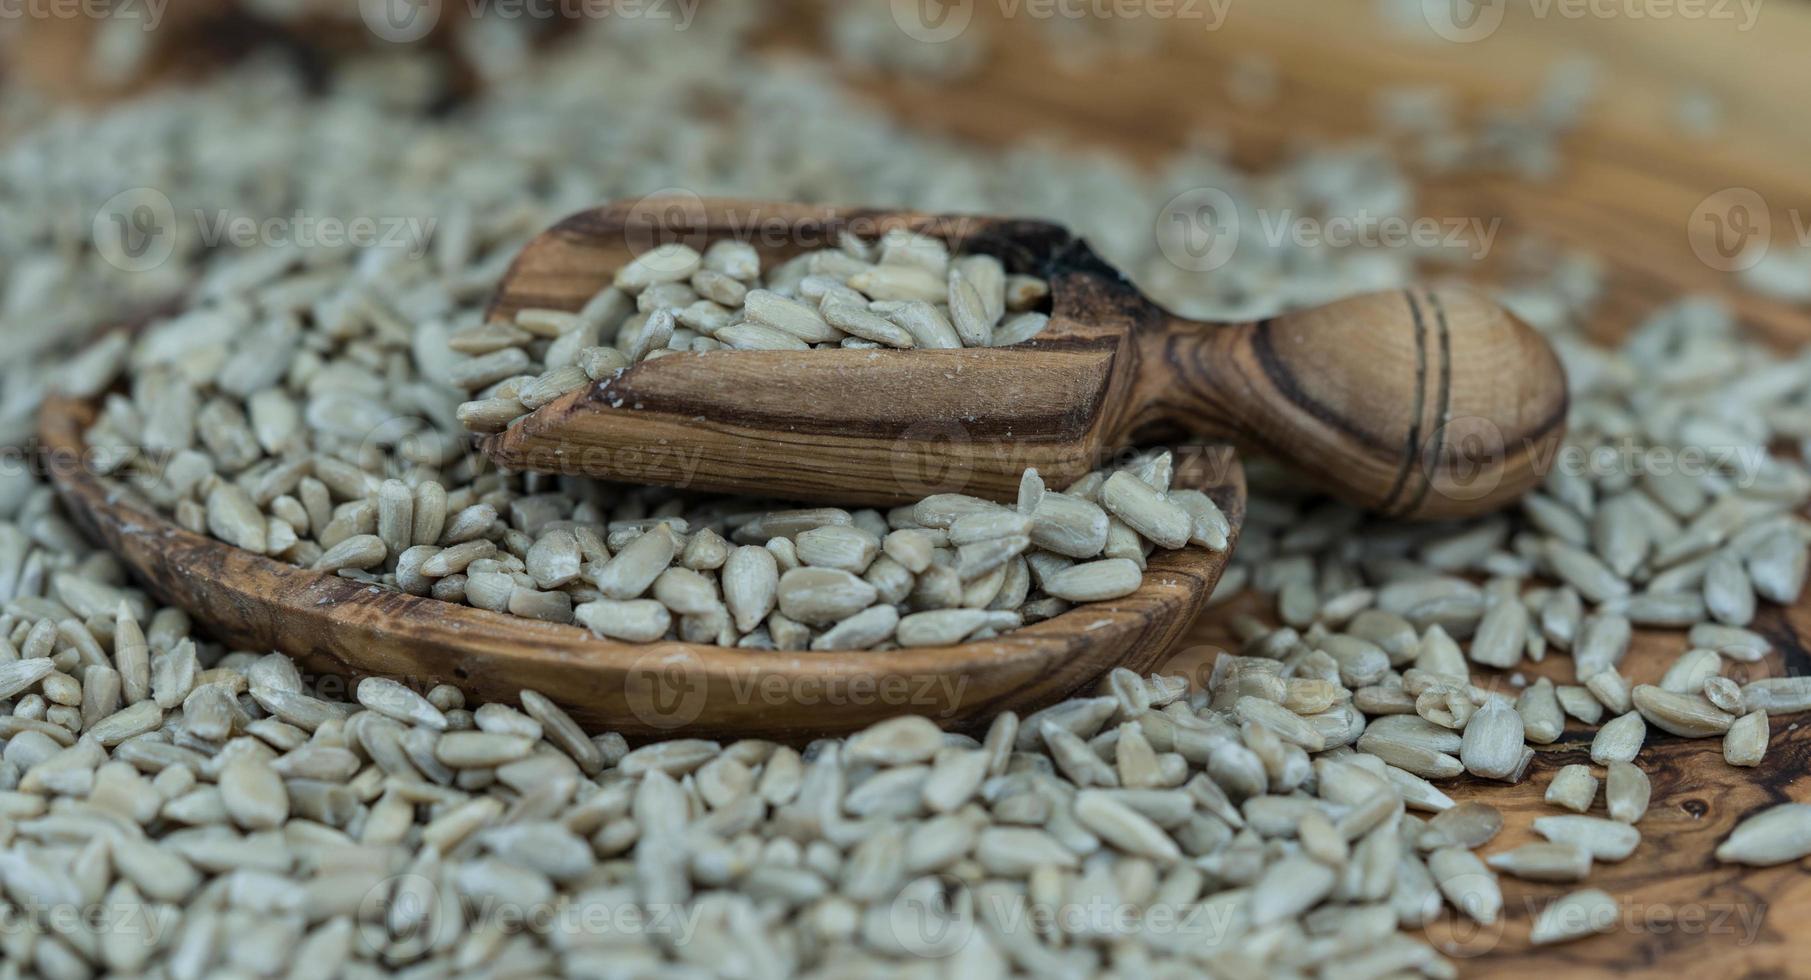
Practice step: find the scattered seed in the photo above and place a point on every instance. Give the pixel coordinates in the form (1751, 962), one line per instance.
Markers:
(1773, 836)
(1574, 916)
(1573, 787)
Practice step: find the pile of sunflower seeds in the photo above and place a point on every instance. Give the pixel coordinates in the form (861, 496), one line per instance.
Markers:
(210, 811)
(285, 455)
(277, 416)
(904, 291)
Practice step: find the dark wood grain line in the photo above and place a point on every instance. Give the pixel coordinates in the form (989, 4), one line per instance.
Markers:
(1436, 442)
(1276, 371)
(1389, 505)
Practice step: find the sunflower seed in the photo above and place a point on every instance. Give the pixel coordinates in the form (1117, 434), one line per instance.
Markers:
(1573, 787)
(1778, 695)
(1602, 641)
(1467, 884)
(1619, 740)
(1777, 567)
(1145, 510)
(633, 620)
(1544, 862)
(1687, 715)
(1627, 790)
(1501, 634)
(253, 793)
(1580, 703)
(1288, 888)
(1773, 836)
(1604, 840)
(1492, 745)
(1745, 744)
(391, 699)
(1468, 825)
(1109, 578)
(474, 749)
(1574, 916)
(1542, 720)
(1583, 571)
(1611, 690)
(1730, 641)
(1123, 827)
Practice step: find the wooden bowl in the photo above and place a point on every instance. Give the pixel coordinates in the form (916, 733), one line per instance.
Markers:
(336, 626)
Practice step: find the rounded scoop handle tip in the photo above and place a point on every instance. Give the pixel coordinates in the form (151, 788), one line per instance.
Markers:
(1418, 404)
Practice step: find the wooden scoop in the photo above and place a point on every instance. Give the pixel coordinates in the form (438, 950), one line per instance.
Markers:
(340, 630)
(1416, 403)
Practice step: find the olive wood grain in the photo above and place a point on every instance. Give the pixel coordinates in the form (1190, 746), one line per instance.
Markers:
(1417, 403)
(340, 627)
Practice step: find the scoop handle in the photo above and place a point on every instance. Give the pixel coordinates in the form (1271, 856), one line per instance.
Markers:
(1416, 404)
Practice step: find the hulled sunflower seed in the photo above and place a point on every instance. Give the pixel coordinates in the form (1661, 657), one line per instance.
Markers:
(1778, 695)
(1730, 641)
(1145, 510)
(1109, 578)
(1619, 740)
(1745, 744)
(1467, 884)
(1773, 836)
(1604, 840)
(1687, 715)
(1626, 790)
(822, 595)
(1574, 916)
(1492, 745)
(1544, 862)
(1573, 787)
(1467, 825)
(1542, 720)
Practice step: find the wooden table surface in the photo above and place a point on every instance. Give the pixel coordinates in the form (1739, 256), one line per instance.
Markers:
(1628, 190)
(1631, 189)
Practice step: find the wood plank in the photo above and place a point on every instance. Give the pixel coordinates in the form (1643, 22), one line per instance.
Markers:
(1628, 190)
